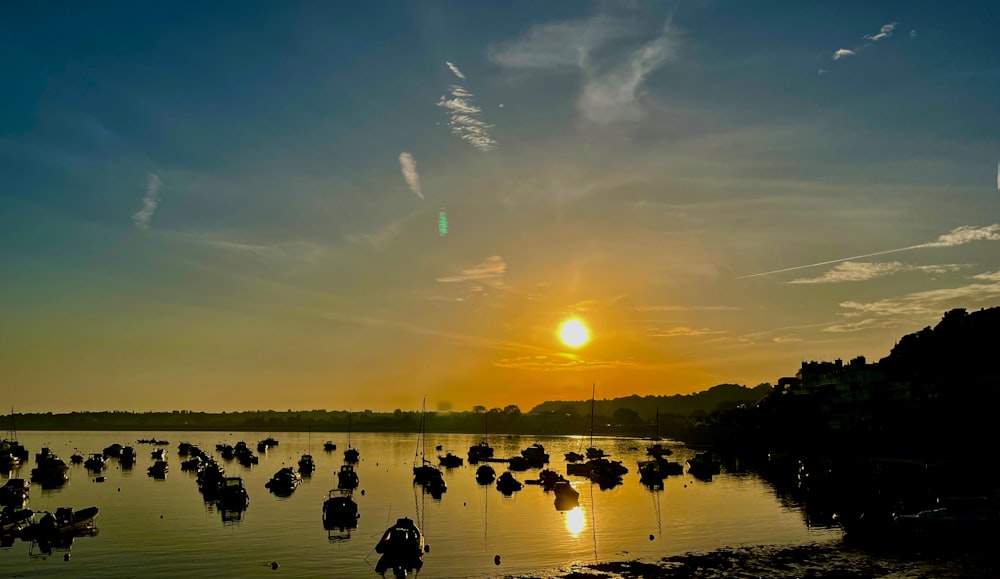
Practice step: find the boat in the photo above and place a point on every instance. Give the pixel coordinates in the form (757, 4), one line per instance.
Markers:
(329, 446)
(424, 473)
(306, 465)
(14, 492)
(548, 479)
(158, 469)
(951, 519)
(485, 474)
(194, 463)
(232, 494)
(96, 462)
(10, 446)
(67, 520)
(585, 468)
(43, 454)
(227, 451)
(347, 477)
(507, 484)
(340, 511)
(113, 451)
(518, 463)
(9, 462)
(650, 472)
(702, 465)
(606, 475)
(482, 450)
(76, 458)
(127, 457)
(52, 471)
(210, 478)
(564, 490)
(401, 547)
(284, 482)
(351, 454)
(158, 454)
(592, 451)
(13, 520)
(535, 455)
(184, 448)
(450, 460)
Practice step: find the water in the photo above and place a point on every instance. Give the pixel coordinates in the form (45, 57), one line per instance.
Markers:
(164, 528)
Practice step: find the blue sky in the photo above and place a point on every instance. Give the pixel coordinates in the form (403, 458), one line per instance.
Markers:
(233, 201)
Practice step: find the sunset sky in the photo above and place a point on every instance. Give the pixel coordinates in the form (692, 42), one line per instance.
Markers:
(231, 206)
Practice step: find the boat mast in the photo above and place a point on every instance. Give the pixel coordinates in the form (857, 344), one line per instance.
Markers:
(349, 412)
(593, 390)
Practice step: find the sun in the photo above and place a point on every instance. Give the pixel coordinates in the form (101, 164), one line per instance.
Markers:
(574, 334)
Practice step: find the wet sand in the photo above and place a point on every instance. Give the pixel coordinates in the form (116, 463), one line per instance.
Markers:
(827, 560)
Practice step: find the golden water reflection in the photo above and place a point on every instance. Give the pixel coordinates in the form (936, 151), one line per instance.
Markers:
(576, 522)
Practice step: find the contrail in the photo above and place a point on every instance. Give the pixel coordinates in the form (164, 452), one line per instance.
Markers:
(958, 236)
(833, 261)
(149, 202)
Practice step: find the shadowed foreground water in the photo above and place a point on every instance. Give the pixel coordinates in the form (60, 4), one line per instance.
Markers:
(163, 527)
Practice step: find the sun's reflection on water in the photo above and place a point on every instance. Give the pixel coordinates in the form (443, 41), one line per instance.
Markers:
(576, 522)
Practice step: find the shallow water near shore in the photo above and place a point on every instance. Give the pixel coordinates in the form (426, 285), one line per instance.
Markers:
(163, 527)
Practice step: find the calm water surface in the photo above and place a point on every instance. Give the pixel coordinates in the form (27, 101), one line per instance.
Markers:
(163, 527)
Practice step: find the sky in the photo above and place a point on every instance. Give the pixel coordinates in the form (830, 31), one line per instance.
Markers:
(263, 205)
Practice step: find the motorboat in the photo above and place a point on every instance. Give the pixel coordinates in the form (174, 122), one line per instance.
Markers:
(211, 476)
(284, 482)
(14, 492)
(606, 476)
(703, 465)
(485, 474)
(480, 451)
(306, 465)
(329, 446)
(194, 463)
(650, 472)
(450, 460)
(158, 469)
(347, 477)
(44, 454)
(158, 454)
(52, 471)
(658, 450)
(401, 547)
(184, 448)
(507, 484)
(76, 458)
(227, 451)
(14, 519)
(535, 455)
(585, 468)
(573, 456)
(67, 520)
(340, 511)
(232, 494)
(95, 462)
(113, 451)
(127, 457)
(518, 463)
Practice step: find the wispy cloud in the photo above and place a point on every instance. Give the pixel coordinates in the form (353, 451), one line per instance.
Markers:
(556, 362)
(958, 236)
(614, 96)
(664, 308)
(859, 326)
(929, 304)
(681, 331)
(408, 165)
(849, 271)
(613, 88)
(465, 121)
(884, 32)
(149, 202)
(489, 272)
(455, 70)
(561, 44)
(843, 52)
(913, 34)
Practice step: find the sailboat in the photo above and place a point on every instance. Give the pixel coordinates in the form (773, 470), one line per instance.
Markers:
(351, 454)
(306, 464)
(12, 453)
(426, 473)
(593, 451)
(481, 450)
(657, 449)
